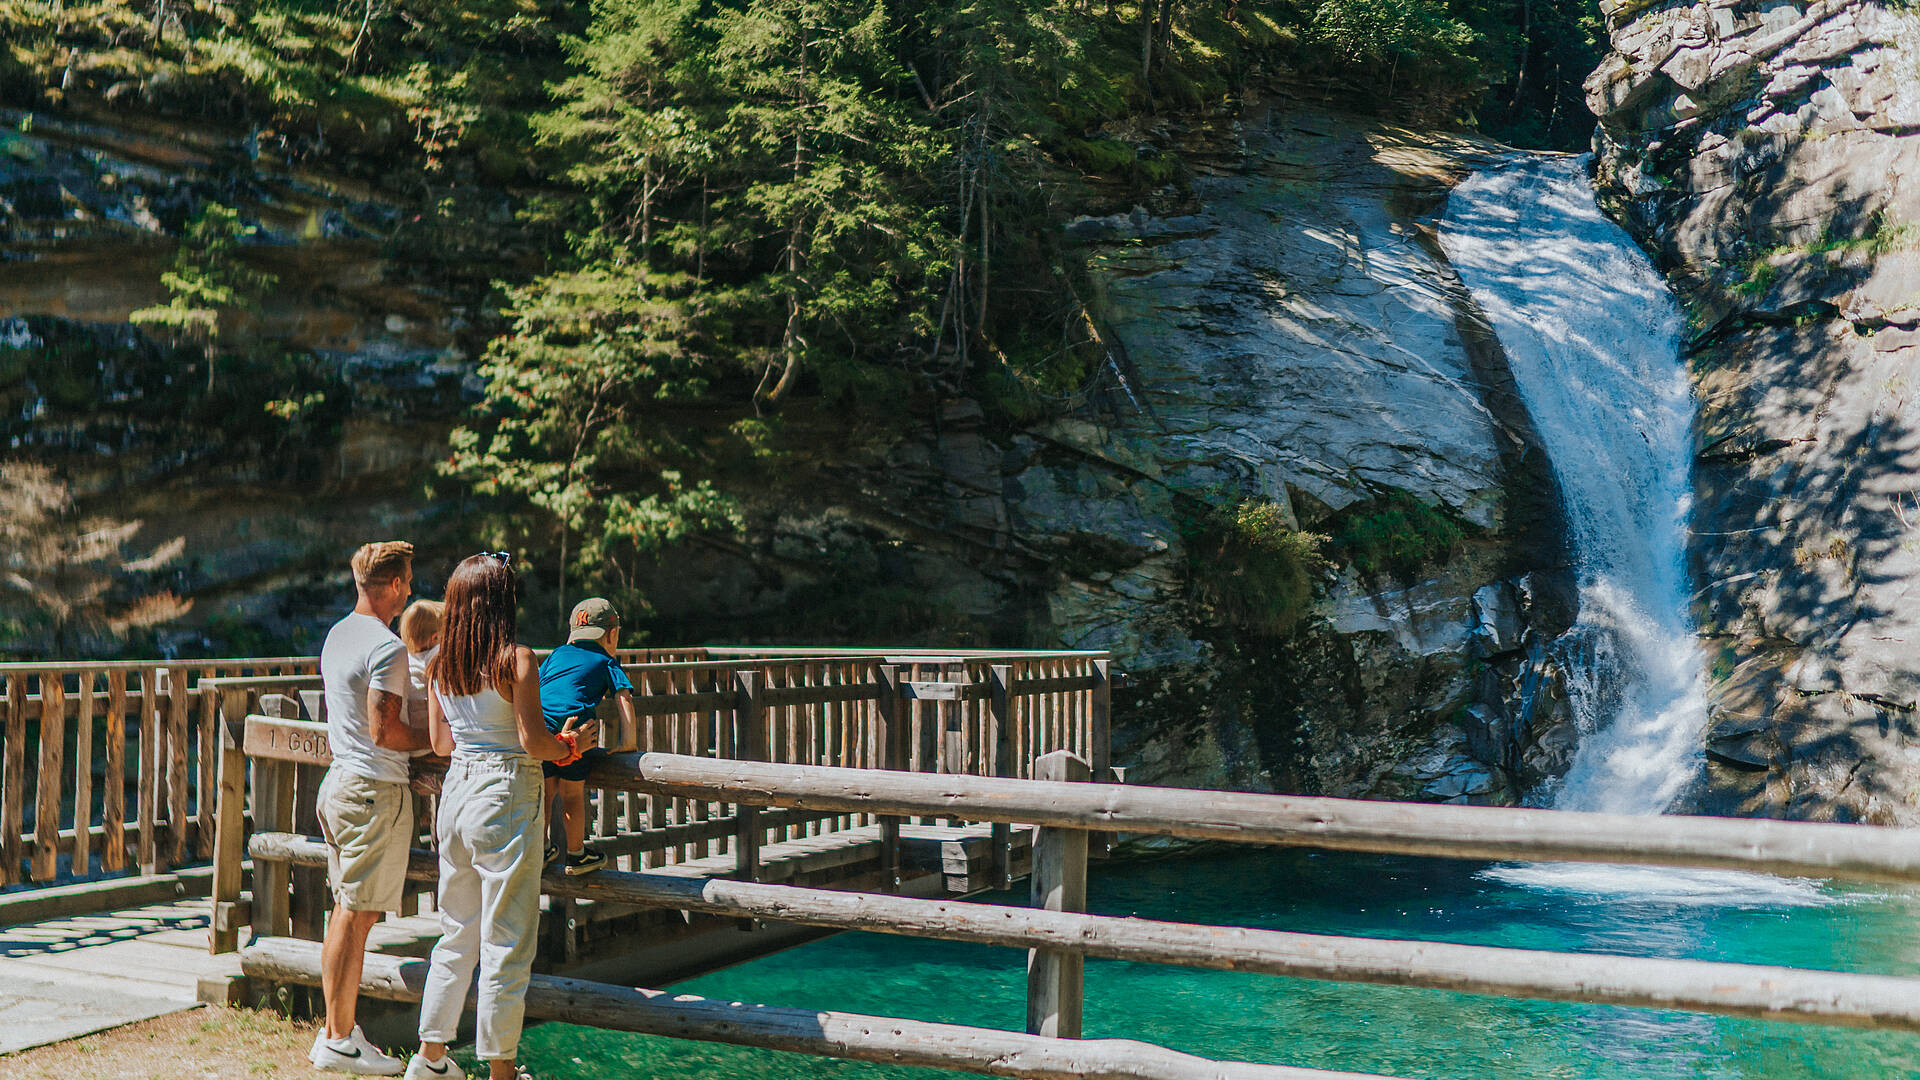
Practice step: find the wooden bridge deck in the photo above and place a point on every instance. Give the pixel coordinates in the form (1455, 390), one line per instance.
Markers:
(63, 978)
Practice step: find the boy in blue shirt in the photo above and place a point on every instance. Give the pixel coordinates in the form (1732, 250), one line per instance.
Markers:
(574, 678)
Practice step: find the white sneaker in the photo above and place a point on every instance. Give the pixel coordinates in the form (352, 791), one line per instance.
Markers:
(419, 1068)
(353, 1054)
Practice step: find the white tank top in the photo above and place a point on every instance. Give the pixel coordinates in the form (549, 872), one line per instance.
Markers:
(482, 723)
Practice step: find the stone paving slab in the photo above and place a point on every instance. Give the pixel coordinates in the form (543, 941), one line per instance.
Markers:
(35, 1012)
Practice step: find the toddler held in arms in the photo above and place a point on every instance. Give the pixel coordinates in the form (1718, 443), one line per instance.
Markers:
(574, 679)
(420, 632)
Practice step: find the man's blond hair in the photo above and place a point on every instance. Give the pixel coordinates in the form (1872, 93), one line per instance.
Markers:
(421, 621)
(381, 562)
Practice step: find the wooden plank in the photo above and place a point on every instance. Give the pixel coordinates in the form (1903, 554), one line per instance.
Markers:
(207, 773)
(13, 780)
(83, 776)
(1000, 713)
(1790, 848)
(113, 802)
(811, 1031)
(1100, 734)
(272, 812)
(1056, 980)
(939, 691)
(819, 695)
(303, 742)
(179, 748)
(46, 814)
(152, 786)
(90, 897)
(750, 719)
(675, 704)
(229, 841)
(893, 749)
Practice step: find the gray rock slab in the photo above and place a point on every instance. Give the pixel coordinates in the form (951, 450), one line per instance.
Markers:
(34, 1012)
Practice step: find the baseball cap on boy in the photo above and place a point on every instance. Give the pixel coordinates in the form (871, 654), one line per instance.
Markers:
(591, 619)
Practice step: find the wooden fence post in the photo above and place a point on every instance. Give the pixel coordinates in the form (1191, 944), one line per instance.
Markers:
(229, 828)
(53, 745)
(1101, 734)
(82, 864)
(1000, 706)
(751, 744)
(894, 754)
(1059, 883)
(13, 780)
(152, 773)
(273, 812)
(179, 750)
(113, 799)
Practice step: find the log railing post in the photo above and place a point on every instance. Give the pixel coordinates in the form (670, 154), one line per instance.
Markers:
(895, 753)
(750, 714)
(229, 819)
(1101, 735)
(1059, 883)
(1000, 707)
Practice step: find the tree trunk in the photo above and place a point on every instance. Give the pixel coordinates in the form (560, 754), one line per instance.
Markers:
(1146, 46)
(1526, 48)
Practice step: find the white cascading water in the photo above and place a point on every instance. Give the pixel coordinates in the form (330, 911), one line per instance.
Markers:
(1593, 339)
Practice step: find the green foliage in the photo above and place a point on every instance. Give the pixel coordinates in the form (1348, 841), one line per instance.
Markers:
(1372, 37)
(574, 397)
(209, 284)
(1396, 534)
(1252, 569)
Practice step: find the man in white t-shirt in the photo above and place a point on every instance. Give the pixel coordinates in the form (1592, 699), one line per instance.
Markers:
(366, 809)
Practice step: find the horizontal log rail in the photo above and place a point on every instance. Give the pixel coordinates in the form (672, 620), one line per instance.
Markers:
(889, 1040)
(1751, 990)
(1792, 848)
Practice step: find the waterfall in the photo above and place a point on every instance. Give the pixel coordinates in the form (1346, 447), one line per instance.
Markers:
(1593, 337)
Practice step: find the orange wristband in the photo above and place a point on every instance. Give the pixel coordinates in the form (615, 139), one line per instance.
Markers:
(571, 741)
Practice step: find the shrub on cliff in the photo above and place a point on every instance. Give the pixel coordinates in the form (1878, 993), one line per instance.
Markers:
(1252, 569)
(1396, 534)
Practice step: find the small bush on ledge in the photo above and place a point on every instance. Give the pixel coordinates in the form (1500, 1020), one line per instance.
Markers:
(1396, 534)
(1252, 568)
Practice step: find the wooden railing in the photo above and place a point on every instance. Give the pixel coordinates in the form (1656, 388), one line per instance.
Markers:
(110, 766)
(937, 713)
(1058, 936)
(125, 781)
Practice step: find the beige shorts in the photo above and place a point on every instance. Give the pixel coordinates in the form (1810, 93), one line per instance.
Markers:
(368, 825)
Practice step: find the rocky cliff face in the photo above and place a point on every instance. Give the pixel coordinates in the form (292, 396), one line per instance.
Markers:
(1766, 152)
(1288, 332)
(1284, 330)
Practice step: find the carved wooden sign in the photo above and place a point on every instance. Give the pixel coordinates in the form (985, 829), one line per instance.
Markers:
(299, 741)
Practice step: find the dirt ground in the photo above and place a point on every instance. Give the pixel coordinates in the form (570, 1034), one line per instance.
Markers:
(199, 1044)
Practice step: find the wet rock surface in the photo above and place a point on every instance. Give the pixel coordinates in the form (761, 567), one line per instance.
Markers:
(1767, 154)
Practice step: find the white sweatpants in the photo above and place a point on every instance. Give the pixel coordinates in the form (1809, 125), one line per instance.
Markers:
(490, 858)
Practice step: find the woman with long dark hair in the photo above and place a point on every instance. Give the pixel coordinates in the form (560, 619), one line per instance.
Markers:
(484, 710)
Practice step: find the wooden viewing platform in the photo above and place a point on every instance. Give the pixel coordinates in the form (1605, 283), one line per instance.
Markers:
(761, 802)
(197, 783)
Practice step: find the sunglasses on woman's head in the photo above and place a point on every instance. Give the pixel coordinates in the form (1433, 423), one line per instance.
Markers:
(505, 557)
